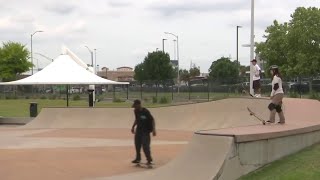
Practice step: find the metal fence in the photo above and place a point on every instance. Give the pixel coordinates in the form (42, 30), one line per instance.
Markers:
(165, 91)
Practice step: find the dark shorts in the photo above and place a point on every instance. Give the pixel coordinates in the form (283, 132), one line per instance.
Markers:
(256, 84)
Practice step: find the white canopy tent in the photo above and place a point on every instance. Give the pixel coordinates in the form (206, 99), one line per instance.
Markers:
(63, 71)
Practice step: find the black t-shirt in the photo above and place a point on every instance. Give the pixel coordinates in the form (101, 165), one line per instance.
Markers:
(144, 120)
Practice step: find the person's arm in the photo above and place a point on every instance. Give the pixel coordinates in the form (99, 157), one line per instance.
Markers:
(154, 132)
(258, 71)
(134, 124)
(275, 85)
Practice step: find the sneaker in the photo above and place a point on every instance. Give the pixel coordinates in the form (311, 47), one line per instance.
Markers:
(136, 161)
(149, 163)
(258, 95)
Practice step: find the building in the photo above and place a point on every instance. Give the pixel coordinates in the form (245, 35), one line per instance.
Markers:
(121, 74)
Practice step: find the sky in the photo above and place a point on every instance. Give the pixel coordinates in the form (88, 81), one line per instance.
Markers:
(124, 31)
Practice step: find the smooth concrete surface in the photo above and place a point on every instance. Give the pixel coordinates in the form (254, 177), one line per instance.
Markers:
(14, 121)
(228, 142)
(210, 115)
(203, 159)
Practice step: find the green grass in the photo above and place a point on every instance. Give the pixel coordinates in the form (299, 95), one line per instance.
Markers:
(304, 165)
(20, 107)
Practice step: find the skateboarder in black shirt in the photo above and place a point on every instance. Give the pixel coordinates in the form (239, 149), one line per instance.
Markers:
(145, 125)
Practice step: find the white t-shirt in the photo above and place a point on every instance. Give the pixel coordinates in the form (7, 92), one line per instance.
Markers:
(276, 80)
(256, 72)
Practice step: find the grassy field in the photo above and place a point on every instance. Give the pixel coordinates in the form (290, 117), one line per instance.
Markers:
(20, 107)
(304, 165)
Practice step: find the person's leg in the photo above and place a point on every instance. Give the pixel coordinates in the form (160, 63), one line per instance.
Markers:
(278, 100)
(254, 86)
(146, 140)
(272, 108)
(138, 143)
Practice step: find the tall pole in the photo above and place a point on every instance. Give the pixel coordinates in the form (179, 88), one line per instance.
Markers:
(163, 44)
(31, 56)
(178, 64)
(95, 60)
(238, 44)
(252, 47)
(177, 37)
(32, 50)
(174, 50)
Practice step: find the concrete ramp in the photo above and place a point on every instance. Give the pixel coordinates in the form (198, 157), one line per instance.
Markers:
(203, 159)
(211, 115)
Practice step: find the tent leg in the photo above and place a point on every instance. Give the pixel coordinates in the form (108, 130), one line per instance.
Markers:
(67, 95)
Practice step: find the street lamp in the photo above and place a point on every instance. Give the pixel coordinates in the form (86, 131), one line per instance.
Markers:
(177, 37)
(31, 49)
(157, 49)
(91, 53)
(163, 44)
(174, 50)
(252, 46)
(238, 43)
(95, 59)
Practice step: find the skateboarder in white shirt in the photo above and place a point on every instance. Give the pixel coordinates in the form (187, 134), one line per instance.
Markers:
(256, 78)
(276, 96)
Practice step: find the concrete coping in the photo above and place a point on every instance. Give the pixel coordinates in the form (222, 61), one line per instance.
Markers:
(260, 132)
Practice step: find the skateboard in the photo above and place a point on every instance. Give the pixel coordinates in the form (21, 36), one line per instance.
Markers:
(144, 165)
(257, 117)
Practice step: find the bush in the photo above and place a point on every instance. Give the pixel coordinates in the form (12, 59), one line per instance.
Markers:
(100, 98)
(164, 100)
(154, 100)
(146, 99)
(314, 95)
(53, 97)
(11, 97)
(293, 94)
(76, 97)
(27, 97)
(43, 97)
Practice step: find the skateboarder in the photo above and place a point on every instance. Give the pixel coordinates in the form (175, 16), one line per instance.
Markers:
(256, 78)
(276, 96)
(145, 125)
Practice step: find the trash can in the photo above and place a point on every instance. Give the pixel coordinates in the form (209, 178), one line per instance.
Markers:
(90, 91)
(33, 109)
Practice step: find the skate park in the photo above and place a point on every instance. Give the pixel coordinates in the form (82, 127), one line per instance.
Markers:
(208, 140)
(196, 141)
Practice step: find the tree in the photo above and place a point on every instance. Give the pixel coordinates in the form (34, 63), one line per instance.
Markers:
(13, 60)
(294, 45)
(224, 70)
(139, 72)
(156, 66)
(184, 75)
(194, 72)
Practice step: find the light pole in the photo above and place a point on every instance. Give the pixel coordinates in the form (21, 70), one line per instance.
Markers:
(31, 49)
(91, 53)
(174, 50)
(177, 37)
(163, 44)
(238, 43)
(252, 46)
(95, 59)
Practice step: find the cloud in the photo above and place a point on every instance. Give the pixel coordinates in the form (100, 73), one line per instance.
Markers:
(61, 9)
(119, 3)
(170, 9)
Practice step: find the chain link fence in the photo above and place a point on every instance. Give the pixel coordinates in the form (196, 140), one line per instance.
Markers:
(165, 91)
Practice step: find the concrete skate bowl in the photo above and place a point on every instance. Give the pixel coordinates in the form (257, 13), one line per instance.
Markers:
(210, 115)
(232, 152)
(227, 142)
